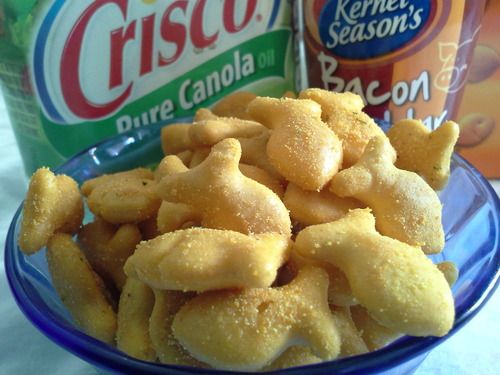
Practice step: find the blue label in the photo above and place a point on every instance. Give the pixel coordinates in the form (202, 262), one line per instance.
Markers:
(362, 29)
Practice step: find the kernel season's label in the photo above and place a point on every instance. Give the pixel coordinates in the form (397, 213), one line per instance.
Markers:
(405, 58)
(102, 67)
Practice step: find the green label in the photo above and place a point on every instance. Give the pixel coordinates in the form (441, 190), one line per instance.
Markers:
(266, 57)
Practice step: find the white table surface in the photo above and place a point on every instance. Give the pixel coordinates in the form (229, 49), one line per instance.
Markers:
(475, 349)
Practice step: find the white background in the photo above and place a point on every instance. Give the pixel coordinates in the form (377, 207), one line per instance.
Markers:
(23, 350)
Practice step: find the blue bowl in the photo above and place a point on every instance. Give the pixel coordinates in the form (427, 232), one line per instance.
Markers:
(471, 223)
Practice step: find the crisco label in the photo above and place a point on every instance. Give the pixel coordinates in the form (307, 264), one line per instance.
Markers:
(101, 67)
(404, 58)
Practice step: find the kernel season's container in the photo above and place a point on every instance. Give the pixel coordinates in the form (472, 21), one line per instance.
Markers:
(74, 72)
(405, 58)
(479, 114)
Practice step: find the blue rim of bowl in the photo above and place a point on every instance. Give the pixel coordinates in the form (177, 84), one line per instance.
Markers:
(105, 356)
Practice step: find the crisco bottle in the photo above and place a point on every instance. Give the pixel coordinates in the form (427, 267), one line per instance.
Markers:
(75, 72)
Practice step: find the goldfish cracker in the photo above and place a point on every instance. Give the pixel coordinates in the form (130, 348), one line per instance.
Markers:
(173, 216)
(449, 270)
(406, 208)
(200, 259)
(424, 152)
(185, 156)
(124, 200)
(399, 286)
(224, 198)
(96, 235)
(80, 289)
(332, 101)
(342, 112)
(53, 203)
(149, 228)
(166, 304)
(262, 177)
(234, 105)
(140, 173)
(217, 280)
(203, 114)
(210, 132)
(292, 357)
(134, 311)
(170, 164)
(374, 334)
(72, 202)
(339, 291)
(253, 152)
(254, 326)
(485, 62)
(175, 138)
(289, 94)
(199, 154)
(301, 147)
(316, 207)
(474, 129)
(350, 338)
(107, 247)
